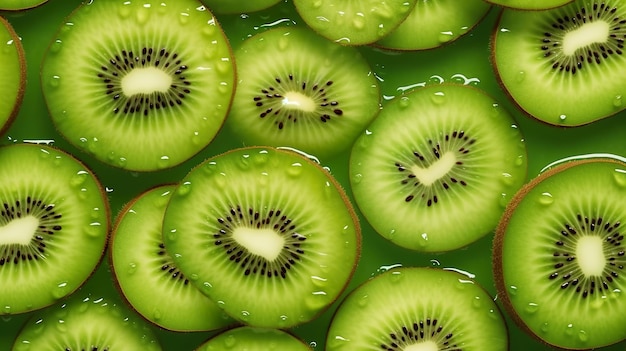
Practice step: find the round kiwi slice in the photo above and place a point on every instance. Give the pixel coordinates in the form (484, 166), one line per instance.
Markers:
(254, 339)
(435, 170)
(266, 233)
(354, 22)
(530, 4)
(434, 23)
(94, 324)
(12, 74)
(558, 256)
(316, 95)
(136, 93)
(18, 5)
(54, 225)
(418, 309)
(145, 274)
(221, 7)
(563, 66)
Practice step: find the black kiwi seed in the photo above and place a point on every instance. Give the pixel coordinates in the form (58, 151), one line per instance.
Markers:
(252, 264)
(418, 332)
(118, 65)
(48, 226)
(168, 268)
(595, 53)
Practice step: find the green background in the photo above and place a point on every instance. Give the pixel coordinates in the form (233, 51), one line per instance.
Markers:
(466, 60)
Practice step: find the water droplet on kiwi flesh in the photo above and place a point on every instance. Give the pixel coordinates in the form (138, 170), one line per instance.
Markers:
(427, 329)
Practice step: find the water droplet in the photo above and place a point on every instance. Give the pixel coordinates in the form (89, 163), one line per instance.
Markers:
(183, 189)
(6, 309)
(521, 75)
(245, 316)
(519, 160)
(54, 81)
(230, 341)
(562, 118)
(423, 240)
(582, 336)
(295, 169)
(132, 268)
(124, 11)
(163, 162)
(477, 303)
(316, 301)
(438, 98)
(313, 344)
(56, 46)
(569, 330)
(504, 200)
(396, 276)
(92, 145)
(209, 30)
(404, 102)
(445, 37)
(363, 301)
(183, 18)
(317, 4)
(620, 177)
(357, 178)
(94, 230)
(142, 15)
(531, 308)
(617, 101)
(358, 22)
(507, 179)
(512, 290)
(157, 314)
(319, 282)
(261, 158)
(545, 328)
(60, 325)
(60, 291)
(172, 235)
(546, 199)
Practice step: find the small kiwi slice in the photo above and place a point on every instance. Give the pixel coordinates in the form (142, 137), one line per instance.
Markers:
(563, 66)
(133, 92)
(89, 323)
(434, 23)
(266, 233)
(418, 309)
(254, 339)
(19, 5)
(221, 7)
(354, 22)
(315, 96)
(558, 256)
(145, 274)
(12, 74)
(530, 4)
(435, 170)
(54, 225)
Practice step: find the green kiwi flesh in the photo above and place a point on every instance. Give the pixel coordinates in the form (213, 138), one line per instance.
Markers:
(436, 168)
(558, 255)
(530, 4)
(254, 339)
(221, 7)
(90, 323)
(54, 225)
(315, 96)
(354, 22)
(563, 66)
(12, 74)
(134, 93)
(418, 309)
(434, 23)
(18, 5)
(268, 224)
(145, 274)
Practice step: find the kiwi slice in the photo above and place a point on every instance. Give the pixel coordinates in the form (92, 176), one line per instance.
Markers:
(266, 233)
(221, 7)
(558, 255)
(316, 96)
(54, 225)
(421, 309)
(354, 22)
(563, 66)
(530, 4)
(435, 170)
(133, 92)
(18, 5)
(91, 323)
(12, 74)
(145, 274)
(434, 23)
(254, 339)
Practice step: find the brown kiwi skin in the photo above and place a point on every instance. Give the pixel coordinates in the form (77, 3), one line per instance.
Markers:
(498, 240)
(22, 86)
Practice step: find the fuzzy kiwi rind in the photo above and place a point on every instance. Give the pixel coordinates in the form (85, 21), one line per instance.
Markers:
(598, 324)
(404, 306)
(254, 339)
(20, 5)
(137, 119)
(527, 51)
(530, 5)
(14, 72)
(280, 192)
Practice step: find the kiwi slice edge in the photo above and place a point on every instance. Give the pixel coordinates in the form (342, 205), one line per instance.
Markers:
(531, 5)
(254, 339)
(17, 91)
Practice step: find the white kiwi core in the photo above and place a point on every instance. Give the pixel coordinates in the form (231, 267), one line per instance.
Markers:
(436, 171)
(422, 346)
(589, 33)
(19, 231)
(297, 101)
(146, 80)
(262, 242)
(590, 256)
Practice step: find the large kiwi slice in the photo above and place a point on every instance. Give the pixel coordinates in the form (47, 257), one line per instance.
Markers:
(418, 309)
(559, 258)
(146, 275)
(90, 323)
(266, 233)
(12, 74)
(354, 22)
(435, 170)
(54, 224)
(530, 4)
(18, 5)
(134, 92)
(254, 339)
(235, 7)
(563, 66)
(300, 90)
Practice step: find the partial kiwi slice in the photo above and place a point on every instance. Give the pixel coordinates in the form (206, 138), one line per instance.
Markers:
(221, 7)
(254, 339)
(266, 233)
(563, 66)
(530, 4)
(18, 5)
(12, 74)
(91, 323)
(419, 309)
(434, 23)
(133, 92)
(54, 225)
(354, 22)
(298, 89)
(435, 170)
(559, 258)
(147, 277)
